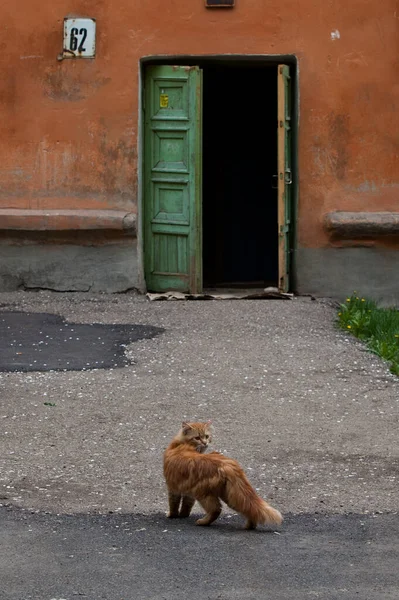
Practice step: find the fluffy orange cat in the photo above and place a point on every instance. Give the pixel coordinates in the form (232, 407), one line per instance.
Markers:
(209, 478)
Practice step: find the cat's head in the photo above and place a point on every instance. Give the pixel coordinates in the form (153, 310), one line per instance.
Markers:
(198, 435)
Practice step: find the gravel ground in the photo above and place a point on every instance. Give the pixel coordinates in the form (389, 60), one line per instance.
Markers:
(310, 415)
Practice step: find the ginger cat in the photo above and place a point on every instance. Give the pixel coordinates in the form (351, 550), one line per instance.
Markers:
(209, 478)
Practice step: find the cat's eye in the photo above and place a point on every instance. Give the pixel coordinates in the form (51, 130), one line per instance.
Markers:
(207, 437)
(197, 438)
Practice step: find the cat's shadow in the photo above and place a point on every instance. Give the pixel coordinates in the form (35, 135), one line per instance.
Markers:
(225, 524)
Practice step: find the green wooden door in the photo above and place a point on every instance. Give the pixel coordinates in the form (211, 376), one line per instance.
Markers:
(172, 178)
(284, 175)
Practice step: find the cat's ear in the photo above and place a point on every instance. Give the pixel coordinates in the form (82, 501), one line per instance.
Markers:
(210, 427)
(186, 427)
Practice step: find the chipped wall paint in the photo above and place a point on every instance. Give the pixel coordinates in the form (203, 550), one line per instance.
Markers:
(69, 129)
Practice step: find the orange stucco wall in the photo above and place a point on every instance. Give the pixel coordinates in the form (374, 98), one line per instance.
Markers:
(69, 129)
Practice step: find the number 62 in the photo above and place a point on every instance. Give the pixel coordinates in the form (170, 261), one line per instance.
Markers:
(73, 45)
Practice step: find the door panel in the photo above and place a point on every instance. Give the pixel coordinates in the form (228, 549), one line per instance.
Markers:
(284, 175)
(172, 178)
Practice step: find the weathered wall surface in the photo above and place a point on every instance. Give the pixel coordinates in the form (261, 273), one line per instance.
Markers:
(110, 267)
(69, 129)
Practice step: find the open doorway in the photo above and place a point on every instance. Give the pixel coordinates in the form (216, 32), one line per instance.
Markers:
(240, 232)
(218, 167)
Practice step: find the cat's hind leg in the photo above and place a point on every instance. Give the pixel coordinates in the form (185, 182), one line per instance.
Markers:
(213, 508)
(174, 503)
(186, 506)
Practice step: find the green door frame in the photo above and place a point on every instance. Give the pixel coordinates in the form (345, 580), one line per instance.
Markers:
(239, 60)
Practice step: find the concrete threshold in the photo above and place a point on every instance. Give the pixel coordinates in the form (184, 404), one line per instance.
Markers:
(224, 294)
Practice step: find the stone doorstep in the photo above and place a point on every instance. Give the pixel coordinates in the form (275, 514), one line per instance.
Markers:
(343, 224)
(64, 220)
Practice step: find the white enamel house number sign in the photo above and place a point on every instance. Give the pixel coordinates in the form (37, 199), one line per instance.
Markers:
(79, 38)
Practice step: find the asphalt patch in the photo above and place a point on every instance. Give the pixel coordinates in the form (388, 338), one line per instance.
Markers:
(46, 342)
(129, 556)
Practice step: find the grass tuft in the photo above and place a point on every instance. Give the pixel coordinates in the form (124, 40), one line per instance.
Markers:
(377, 327)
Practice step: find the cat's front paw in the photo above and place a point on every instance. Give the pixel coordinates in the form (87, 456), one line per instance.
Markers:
(172, 515)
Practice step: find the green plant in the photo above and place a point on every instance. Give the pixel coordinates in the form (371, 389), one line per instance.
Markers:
(377, 327)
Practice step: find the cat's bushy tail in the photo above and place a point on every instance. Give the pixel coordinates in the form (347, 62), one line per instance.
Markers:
(240, 496)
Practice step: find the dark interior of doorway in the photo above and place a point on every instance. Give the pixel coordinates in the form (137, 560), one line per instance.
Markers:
(240, 231)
